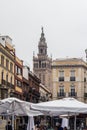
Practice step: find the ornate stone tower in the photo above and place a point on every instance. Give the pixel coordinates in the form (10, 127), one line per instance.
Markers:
(42, 63)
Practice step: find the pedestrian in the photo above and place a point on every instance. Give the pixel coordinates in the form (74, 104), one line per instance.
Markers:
(59, 127)
(65, 128)
(8, 126)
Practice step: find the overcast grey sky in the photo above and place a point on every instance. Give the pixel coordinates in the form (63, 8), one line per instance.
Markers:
(64, 22)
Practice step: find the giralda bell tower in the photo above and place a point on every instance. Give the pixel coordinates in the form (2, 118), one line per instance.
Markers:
(42, 63)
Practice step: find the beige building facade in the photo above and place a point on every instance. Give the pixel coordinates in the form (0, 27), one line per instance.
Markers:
(45, 94)
(7, 55)
(69, 78)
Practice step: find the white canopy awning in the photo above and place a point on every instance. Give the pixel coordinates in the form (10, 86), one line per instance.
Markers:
(61, 106)
(17, 107)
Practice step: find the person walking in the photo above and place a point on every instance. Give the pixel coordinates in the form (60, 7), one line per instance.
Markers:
(60, 127)
(8, 126)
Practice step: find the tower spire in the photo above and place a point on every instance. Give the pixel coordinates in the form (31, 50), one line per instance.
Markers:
(42, 29)
(42, 36)
(42, 45)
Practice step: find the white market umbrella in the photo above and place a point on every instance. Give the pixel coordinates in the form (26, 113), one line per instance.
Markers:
(17, 107)
(61, 106)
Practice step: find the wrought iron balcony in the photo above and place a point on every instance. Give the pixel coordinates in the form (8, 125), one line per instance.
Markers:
(3, 82)
(72, 79)
(85, 95)
(84, 79)
(7, 84)
(61, 78)
(36, 93)
(61, 94)
(72, 94)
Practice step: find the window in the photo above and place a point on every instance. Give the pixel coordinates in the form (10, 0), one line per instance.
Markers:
(7, 63)
(2, 60)
(43, 65)
(72, 93)
(35, 65)
(72, 89)
(18, 83)
(11, 80)
(72, 73)
(40, 76)
(39, 64)
(6, 77)
(72, 77)
(2, 75)
(45, 51)
(18, 70)
(11, 67)
(61, 91)
(41, 51)
(84, 76)
(61, 73)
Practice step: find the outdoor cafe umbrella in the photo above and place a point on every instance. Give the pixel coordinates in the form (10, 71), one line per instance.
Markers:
(17, 107)
(62, 106)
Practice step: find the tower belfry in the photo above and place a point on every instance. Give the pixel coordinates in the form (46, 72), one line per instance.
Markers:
(42, 63)
(42, 45)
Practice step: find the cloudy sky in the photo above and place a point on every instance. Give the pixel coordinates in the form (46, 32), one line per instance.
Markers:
(64, 22)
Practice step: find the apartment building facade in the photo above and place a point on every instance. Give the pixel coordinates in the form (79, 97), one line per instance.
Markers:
(7, 58)
(69, 78)
(31, 85)
(45, 94)
(11, 70)
(18, 78)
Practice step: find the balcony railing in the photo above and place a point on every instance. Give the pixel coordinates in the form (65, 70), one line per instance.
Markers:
(7, 84)
(72, 94)
(84, 79)
(85, 95)
(61, 94)
(36, 93)
(72, 78)
(3, 82)
(61, 78)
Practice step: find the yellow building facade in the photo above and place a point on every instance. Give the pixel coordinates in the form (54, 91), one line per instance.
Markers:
(18, 77)
(7, 54)
(69, 78)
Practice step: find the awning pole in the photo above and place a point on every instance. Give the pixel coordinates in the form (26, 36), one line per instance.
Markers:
(75, 122)
(13, 116)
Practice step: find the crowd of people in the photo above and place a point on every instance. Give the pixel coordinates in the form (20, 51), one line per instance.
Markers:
(49, 127)
(39, 127)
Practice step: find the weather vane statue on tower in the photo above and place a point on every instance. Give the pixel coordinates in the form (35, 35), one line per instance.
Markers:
(42, 29)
